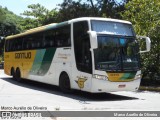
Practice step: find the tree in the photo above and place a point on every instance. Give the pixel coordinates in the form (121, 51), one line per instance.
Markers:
(145, 16)
(9, 25)
(2, 15)
(93, 7)
(39, 15)
(73, 9)
(109, 8)
(28, 23)
(9, 22)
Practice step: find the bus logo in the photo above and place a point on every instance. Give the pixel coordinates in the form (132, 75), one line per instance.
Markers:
(81, 82)
(23, 55)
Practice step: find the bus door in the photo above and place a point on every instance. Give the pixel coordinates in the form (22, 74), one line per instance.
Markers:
(82, 55)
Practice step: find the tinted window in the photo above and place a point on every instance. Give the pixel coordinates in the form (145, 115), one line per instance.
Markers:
(62, 36)
(6, 46)
(82, 47)
(113, 28)
(57, 37)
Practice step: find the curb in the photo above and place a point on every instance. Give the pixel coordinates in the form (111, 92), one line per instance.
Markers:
(149, 88)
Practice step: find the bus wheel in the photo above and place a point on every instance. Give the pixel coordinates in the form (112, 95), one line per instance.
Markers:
(18, 75)
(64, 83)
(13, 73)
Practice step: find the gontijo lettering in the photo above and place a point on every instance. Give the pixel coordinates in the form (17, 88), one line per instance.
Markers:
(23, 55)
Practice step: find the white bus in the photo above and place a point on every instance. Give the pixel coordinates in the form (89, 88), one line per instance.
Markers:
(89, 54)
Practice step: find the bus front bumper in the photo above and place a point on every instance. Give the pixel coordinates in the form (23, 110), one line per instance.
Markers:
(99, 86)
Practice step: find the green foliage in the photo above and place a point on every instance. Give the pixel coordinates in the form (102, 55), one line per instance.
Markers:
(2, 15)
(38, 11)
(37, 16)
(145, 16)
(28, 23)
(109, 8)
(70, 9)
(9, 22)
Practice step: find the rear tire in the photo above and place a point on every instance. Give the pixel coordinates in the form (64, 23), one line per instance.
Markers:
(18, 75)
(13, 73)
(64, 83)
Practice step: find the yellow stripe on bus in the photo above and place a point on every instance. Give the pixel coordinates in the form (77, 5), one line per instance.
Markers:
(22, 59)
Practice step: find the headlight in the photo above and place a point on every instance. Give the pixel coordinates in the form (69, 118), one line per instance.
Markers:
(138, 76)
(100, 77)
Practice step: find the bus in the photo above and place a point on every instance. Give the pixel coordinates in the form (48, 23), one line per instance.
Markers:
(89, 54)
(1, 51)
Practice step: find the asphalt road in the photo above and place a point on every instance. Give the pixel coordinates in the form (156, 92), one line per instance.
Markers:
(37, 96)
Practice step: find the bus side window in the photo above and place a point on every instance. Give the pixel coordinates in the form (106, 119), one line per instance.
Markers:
(7, 46)
(19, 44)
(37, 39)
(57, 40)
(44, 44)
(25, 43)
(50, 43)
(11, 45)
(29, 44)
(33, 45)
(66, 39)
(49, 38)
(38, 45)
(62, 36)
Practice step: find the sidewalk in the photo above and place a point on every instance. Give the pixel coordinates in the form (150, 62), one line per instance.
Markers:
(149, 88)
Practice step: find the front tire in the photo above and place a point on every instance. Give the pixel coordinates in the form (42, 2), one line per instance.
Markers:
(64, 83)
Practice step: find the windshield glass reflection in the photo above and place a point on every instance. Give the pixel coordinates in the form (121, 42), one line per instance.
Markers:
(116, 53)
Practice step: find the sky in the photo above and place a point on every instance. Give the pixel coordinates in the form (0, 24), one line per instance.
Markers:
(19, 6)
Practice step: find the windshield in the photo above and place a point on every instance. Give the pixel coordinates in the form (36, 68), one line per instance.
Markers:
(116, 53)
(112, 28)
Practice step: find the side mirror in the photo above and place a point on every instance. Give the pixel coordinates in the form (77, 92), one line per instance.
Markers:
(148, 43)
(93, 39)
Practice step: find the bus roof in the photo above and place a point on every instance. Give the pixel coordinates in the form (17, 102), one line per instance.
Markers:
(54, 25)
(38, 29)
(99, 18)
